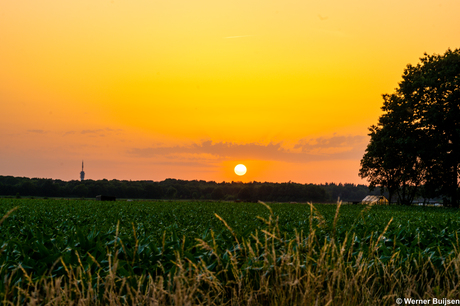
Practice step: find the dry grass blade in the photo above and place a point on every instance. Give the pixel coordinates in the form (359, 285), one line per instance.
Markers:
(381, 235)
(268, 207)
(315, 214)
(8, 214)
(94, 260)
(135, 246)
(336, 218)
(228, 227)
(1, 221)
(270, 234)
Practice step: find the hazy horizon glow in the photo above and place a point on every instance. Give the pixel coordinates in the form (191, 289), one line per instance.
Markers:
(149, 90)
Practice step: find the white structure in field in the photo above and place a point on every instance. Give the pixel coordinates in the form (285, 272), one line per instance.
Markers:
(82, 173)
(374, 199)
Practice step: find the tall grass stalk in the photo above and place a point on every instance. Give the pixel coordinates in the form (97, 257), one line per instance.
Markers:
(262, 269)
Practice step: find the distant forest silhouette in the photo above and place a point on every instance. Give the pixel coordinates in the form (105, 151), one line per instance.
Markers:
(183, 189)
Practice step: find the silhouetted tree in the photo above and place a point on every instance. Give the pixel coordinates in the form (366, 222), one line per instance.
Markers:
(171, 192)
(391, 159)
(217, 194)
(417, 140)
(80, 190)
(246, 193)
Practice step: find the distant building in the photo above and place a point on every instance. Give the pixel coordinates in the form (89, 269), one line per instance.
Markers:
(82, 173)
(374, 199)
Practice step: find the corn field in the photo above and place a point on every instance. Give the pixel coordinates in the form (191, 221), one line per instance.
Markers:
(62, 252)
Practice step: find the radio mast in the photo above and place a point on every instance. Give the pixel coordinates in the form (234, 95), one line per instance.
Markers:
(82, 173)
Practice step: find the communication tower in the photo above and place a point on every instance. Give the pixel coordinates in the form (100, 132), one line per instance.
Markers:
(82, 173)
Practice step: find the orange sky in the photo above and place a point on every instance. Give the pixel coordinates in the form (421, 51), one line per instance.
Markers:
(188, 89)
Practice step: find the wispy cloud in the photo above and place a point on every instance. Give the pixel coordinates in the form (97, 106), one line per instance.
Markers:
(331, 145)
(306, 150)
(95, 132)
(37, 131)
(91, 131)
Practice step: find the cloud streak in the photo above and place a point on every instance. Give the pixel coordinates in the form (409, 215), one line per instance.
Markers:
(37, 131)
(306, 150)
(95, 132)
(330, 145)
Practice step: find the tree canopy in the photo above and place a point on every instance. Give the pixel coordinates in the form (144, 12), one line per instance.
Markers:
(416, 142)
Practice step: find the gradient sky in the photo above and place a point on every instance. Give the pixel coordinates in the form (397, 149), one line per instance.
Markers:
(149, 90)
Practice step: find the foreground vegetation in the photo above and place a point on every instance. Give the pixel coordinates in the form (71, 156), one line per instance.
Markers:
(185, 253)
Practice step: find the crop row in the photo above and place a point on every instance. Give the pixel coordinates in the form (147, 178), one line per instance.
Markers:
(49, 237)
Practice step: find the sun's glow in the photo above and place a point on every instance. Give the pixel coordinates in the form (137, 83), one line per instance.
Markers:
(240, 169)
(168, 79)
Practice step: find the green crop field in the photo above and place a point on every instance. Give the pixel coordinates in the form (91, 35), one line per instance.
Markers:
(213, 253)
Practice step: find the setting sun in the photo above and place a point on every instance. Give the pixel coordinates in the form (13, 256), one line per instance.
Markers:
(240, 169)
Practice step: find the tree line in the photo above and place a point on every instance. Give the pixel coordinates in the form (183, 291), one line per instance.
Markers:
(183, 189)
